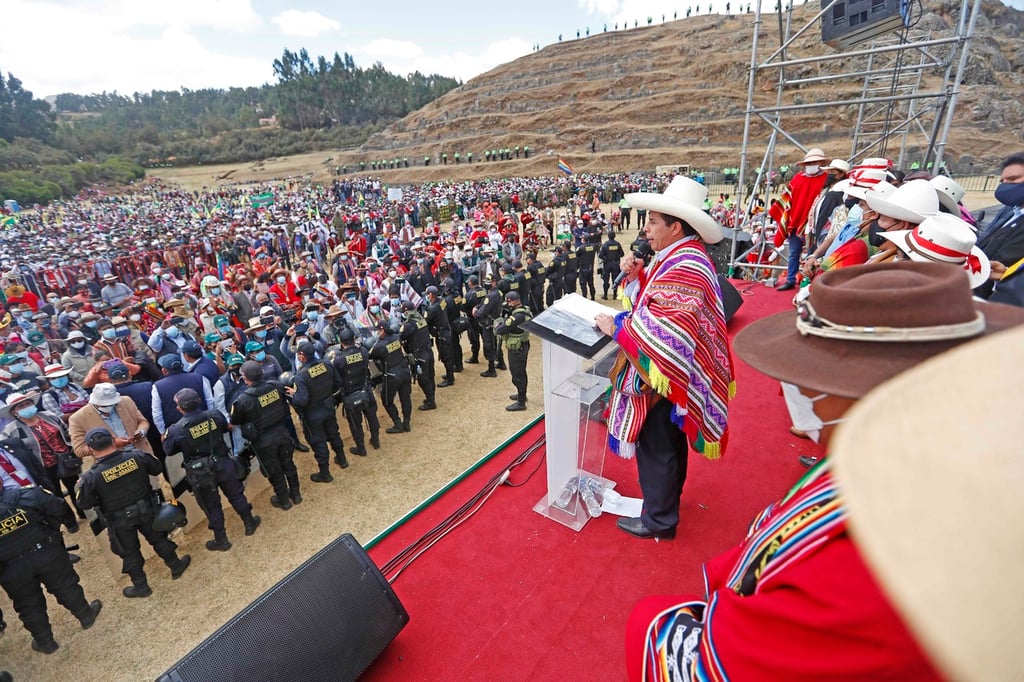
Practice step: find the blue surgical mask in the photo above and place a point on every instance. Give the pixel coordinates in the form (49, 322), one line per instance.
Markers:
(312, 315)
(91, 324)
(16, 368)
(109, 334)
(395, 302)
(1010, 193)
(260, 357)
(215, 291)
(27, 412)
(173, 332)
(281, 280)
(26, 315)
(224, 330)
(261, 334)
(59, 382)
(375, 309)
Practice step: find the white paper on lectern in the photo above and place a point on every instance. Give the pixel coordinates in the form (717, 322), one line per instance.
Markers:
(573, 316)
(624, 506)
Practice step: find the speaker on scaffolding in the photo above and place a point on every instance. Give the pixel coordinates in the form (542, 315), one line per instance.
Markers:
(848, 22)
(328, 620)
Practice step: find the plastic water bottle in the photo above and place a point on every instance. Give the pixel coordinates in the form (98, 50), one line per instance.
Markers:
(564, 497)
(588, 486)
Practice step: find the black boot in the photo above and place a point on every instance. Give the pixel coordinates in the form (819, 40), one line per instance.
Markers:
(397, 428)
(137, 590)
(280, 503)
(89, 616)
(45, 645)
(324, 475)
(428, 405)
(516, 407)
(406, 427)
(375, 441)
(341, 460)
(219, 543)
(179, 565)
(473, 361)
(251, 523)
(489, 373)
(301, 447)
(446, 382)
(358, 450)
(293, 488)
(501, 366)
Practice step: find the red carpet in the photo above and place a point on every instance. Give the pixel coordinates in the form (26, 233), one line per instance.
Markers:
(512, 595)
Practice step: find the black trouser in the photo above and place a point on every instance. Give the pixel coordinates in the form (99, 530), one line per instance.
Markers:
(587, 281)
(457, 350)
(554, 291)
(69, 486)
(124, 541)
(23, 577)
(608, 277)
(275, 449)
(537, 297)
(641, 219)
(661, 458)
(399, 384)
(425, 373)
(226, 481)
(490, 343)
(447, 354)
(517, 368)
(475, 333)
(569, 284)
(626, 219)
(355, 421)
(320, 424)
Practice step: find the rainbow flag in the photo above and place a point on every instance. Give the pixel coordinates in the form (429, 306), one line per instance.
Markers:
(565, 167)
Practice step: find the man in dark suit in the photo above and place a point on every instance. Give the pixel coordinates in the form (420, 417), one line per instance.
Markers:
(1003, 241)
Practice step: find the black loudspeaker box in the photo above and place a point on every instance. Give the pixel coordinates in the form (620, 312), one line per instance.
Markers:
(326, 621)
(731, 299)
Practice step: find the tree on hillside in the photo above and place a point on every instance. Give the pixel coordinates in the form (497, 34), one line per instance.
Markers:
(21, 115)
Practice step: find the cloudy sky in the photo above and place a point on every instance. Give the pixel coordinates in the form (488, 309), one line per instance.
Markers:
(88, 46)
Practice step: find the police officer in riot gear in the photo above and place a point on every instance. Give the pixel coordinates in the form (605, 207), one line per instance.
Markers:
(316, 384)
(437, 322)
(525, 281)
(32, 554)
(556, 271)
(475, 295)
(200, 437)
(118, 485)
(610, 254)
(396, 376)
(485, 314)
(415, 336)
(458, 321)
(571, 270)
(356, 397)
(261, 411)
(538, 275)
(586, 254)
(517, 340)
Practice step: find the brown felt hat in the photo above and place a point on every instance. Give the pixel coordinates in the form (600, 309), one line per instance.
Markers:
(861, 325)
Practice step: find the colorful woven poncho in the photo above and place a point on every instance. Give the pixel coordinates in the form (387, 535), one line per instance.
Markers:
(673, 344)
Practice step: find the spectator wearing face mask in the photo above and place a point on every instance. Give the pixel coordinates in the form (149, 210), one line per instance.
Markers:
(78, 358)
(64, 396)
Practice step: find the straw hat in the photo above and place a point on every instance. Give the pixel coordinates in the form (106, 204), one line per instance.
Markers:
(856, 328)
(912, 201)
(944, 238)
(931, 484)
(683, 199)
(814, 155)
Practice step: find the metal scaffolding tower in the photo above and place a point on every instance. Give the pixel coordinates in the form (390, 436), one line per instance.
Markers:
(905, 83)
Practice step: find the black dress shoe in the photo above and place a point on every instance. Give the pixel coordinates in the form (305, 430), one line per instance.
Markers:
(44, 646)
(786, 287)
(445, 383)
(489, 373)
(515, 407)
(806, 461)
(431, 405)
(89, 617)
(472, 361)
(284, 504)
(375, 442)
(636, 528)
(301, 448)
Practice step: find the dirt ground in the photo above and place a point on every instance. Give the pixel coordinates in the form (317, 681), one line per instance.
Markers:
(138, 639)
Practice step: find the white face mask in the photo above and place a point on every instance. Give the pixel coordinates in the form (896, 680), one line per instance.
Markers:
(811, 170)
(801, 411)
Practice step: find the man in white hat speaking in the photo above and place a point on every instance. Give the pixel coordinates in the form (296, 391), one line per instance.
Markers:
(673, 378)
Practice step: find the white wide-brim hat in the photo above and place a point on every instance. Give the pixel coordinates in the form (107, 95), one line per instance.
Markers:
(860, 188)
(912, 201)
(813, 155)
(683, 199)
(944, 238)
(930, 479)
(949, 191)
